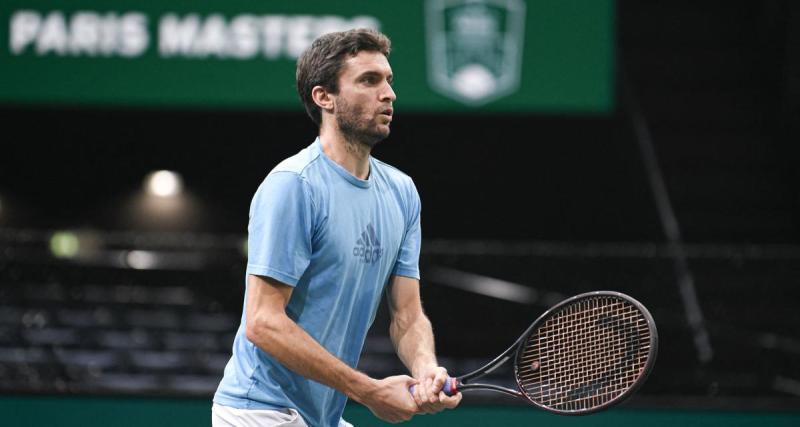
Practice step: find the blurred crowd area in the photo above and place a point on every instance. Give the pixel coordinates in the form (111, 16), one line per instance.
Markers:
(104, 323)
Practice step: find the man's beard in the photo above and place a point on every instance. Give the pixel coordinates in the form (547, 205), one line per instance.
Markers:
(355, 128)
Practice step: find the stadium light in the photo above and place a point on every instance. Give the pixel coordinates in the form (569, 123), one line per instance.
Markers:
(141, 260)
(64, 244)
(163, 183)
(163, 203)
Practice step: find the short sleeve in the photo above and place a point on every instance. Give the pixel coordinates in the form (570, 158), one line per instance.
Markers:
(280, 228)
(407, 263)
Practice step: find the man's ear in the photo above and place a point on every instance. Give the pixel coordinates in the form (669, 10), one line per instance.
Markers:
(322, 98)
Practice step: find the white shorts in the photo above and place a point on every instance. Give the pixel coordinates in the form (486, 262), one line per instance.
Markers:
(225, 416)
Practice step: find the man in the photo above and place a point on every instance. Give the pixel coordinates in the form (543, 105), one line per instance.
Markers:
(330, 228)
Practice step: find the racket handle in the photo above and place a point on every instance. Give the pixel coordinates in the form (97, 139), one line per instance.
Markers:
(449, 387)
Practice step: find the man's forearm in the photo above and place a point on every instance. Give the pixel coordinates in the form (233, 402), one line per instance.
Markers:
(294, 348)
(412, 336)
(413, 340)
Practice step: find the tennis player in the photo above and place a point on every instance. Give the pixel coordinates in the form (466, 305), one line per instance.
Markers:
(330, 229)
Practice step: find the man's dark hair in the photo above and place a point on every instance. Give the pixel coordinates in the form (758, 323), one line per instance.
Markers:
(322, 62)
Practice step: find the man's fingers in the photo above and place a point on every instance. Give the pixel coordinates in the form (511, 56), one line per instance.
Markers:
(429, 395)
(450, 401)
(428, 399)
(408, 380)
(439, 379)
(422, 393)
(425, 397)
(433, 392)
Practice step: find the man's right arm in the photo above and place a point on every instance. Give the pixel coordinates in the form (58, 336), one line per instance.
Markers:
(269, 328)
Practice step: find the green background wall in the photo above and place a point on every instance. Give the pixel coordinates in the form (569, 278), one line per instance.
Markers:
(34, 411)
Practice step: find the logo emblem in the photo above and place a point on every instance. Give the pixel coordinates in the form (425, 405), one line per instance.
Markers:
(475, 48)
(368, 248)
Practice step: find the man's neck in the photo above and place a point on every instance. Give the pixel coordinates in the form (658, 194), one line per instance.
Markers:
(351, 155)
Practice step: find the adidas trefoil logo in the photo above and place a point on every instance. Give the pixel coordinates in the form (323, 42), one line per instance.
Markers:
(368, 249)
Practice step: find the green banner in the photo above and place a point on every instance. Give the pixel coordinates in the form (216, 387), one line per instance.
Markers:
(448, 55)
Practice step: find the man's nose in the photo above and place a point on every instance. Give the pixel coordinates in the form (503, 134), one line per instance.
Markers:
(388, 93)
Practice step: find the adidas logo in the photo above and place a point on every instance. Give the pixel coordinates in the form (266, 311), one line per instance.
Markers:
(368, 248)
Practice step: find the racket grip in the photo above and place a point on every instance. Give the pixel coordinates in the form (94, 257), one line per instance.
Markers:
(449, 387)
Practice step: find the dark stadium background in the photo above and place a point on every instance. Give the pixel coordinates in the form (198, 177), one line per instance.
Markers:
(560, 203)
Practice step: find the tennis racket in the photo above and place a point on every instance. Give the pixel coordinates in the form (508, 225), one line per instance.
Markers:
(585, 354)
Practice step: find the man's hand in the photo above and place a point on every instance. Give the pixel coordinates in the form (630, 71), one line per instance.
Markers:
(428, 393)
(390, 399)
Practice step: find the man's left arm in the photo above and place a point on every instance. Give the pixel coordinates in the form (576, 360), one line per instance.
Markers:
(412, 336)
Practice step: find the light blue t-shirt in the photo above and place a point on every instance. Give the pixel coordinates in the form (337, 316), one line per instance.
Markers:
(336, 239)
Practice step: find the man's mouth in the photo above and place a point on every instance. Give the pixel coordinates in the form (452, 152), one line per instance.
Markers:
(387, 112)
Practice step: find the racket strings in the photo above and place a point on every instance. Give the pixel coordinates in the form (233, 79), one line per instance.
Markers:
(585, 355)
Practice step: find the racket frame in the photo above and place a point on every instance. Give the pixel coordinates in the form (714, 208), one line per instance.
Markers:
(463, 382)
